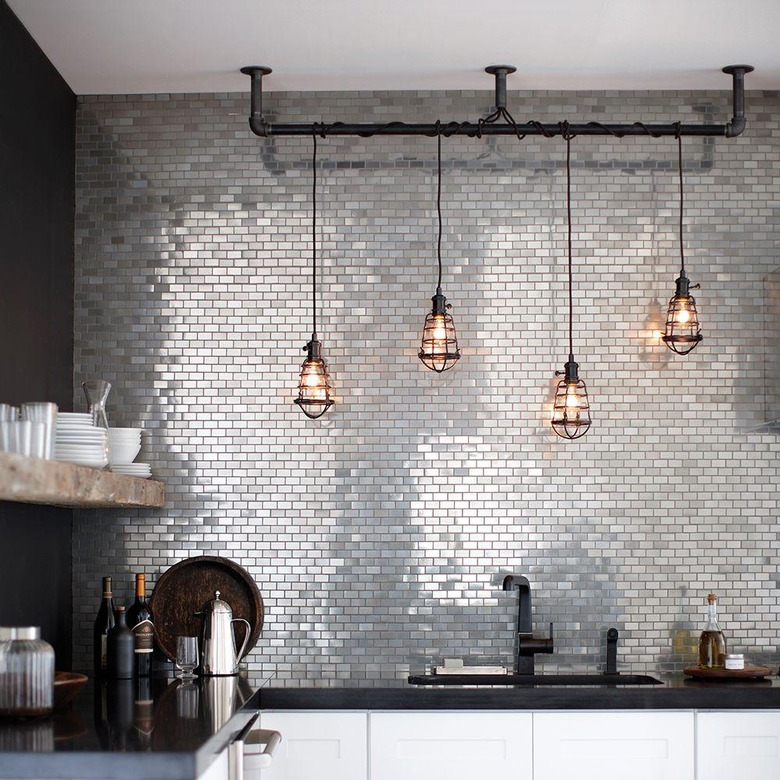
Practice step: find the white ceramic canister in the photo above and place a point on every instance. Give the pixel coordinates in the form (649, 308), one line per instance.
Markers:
(26, 673)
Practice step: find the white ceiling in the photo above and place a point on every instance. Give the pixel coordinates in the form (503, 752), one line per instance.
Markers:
(147, 46)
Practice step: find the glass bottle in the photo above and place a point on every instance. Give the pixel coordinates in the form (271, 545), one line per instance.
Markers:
(712, 643)
(139, 620)
(119, 648)
(96, 391)
(104, 622)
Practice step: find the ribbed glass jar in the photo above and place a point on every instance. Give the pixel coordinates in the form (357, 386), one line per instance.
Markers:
(26, 673)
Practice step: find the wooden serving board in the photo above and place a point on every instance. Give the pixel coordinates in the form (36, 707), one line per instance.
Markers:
(182, 592)
(748, 673)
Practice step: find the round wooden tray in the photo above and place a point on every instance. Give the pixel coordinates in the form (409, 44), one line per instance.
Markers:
(184, 590)
(748, 673)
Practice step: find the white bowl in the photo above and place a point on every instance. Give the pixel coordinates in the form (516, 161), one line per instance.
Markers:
(123, 433)
(122, 454)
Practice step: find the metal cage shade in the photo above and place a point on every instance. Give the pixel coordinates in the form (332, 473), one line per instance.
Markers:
(683, 331)
(314, 394)
(439, 347)
(571, 409)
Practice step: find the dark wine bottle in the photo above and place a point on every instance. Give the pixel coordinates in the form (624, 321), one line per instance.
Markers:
(140, 621)
(104, 622)
(120, 649)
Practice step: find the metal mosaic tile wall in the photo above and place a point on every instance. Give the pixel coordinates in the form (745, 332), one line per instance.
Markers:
(379, 533)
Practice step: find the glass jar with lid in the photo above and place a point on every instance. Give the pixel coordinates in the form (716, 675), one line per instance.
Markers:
(26, 673)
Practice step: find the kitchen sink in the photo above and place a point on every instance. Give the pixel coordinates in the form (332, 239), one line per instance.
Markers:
(533, 679)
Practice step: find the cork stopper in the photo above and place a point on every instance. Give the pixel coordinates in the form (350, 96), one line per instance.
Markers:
(711, 598)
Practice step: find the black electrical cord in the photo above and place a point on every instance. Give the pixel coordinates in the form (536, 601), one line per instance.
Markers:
(438, 202)
(314, 232)
(682, 199)
(568, 137)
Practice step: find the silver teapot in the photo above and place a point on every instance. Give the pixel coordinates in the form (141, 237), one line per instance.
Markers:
(218, 655)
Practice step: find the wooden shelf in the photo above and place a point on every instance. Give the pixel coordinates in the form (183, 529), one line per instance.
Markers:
(36, 481)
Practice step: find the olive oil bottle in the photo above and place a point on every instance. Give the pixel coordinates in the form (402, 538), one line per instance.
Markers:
(712, 643)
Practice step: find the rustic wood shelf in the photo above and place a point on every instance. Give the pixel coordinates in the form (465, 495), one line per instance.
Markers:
(36, 481)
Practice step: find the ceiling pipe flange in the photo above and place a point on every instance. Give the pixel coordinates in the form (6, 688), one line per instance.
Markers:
(737, 72)
(256, 121)
(500, 72)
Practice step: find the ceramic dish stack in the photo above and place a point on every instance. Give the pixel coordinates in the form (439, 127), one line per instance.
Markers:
(125, 446)
(78, 441)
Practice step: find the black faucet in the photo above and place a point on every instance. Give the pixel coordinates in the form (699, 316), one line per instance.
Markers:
(612, 640)
(527, 646)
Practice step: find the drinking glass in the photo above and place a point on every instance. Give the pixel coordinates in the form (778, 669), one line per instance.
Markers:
(8, 413)
(186, 655)
(43, 412)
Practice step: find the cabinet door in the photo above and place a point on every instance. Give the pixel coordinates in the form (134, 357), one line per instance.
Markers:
(218, 769)
(743, 745)
(450, 745)
(595, 745)
(317, 746)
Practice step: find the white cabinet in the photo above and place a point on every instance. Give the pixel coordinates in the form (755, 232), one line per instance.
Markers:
(218, 768)
(450, 745)
(320, 745)
(595, 745)
(738, 745)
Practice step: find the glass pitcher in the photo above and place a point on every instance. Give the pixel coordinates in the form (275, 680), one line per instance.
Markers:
(96, 391)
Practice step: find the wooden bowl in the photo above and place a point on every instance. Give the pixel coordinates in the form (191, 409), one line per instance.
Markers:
(66, 686)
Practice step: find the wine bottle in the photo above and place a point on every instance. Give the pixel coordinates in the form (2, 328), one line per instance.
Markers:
(712, 643)
(140, 621)
(119, 649)
(104, 622)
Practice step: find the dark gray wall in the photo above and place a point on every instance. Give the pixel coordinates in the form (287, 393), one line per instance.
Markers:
(37, 120)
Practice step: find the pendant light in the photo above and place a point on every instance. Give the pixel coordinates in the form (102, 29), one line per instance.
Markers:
(683, 332)
(313, 386)
(439, 347)
(571, 408)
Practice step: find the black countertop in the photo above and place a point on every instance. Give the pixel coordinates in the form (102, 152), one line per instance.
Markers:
(377, 692)
(117, 731)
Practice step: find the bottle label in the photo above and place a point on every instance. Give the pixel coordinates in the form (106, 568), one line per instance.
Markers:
(144, 636)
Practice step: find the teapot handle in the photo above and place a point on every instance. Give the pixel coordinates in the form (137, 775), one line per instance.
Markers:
(246, 638)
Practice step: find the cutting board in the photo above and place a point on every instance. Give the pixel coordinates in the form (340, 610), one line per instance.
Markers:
(748, 673)
(182, 592)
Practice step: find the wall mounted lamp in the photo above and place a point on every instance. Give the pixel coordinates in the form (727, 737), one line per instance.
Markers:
(571, 407)
(314, 396)
(439, 346)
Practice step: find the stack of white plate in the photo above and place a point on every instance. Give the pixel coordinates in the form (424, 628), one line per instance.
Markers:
(78, 441)
(140, 470)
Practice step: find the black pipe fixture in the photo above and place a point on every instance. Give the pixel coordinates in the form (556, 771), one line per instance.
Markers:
(490, 125)
(314, 395)
(439, 346)
(571, 407)
(683, 331)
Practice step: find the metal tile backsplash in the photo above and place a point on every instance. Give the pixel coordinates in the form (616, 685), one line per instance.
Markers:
(379, 533)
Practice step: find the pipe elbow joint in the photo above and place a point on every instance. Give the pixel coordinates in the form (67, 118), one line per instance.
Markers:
(259, 126)
(736, 126)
